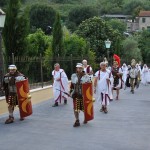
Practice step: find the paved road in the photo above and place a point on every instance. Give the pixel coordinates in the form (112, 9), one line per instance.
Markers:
(125, 127)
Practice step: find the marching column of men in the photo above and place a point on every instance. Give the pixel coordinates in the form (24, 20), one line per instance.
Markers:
(106, 80)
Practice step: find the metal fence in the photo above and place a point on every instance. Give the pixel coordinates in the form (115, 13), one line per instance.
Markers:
(39, 71)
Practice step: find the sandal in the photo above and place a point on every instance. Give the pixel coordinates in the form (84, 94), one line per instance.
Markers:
(102, 109)
(76, 124)
(9, 120)
(105, 110)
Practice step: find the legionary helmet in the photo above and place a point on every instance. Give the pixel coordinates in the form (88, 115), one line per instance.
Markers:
(116, 59)
(12, 67)
(79, 65)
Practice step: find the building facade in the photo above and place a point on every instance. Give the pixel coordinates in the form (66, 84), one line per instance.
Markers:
(144, 20)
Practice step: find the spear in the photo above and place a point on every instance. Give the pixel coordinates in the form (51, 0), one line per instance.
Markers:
(64, 92)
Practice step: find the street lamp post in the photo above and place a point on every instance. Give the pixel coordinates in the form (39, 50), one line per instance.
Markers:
(2, 21)
(108, 44)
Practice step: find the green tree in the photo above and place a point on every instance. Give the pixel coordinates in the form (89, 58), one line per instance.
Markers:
(3, 3)
(38, 43)
(116, 24)
(15, 29)
(79, 14)
(133, 7)
(41, 16)
(57, 43)
(130, 50)
(110, 7)
(96, 31)
(76, 49)
(144, 45)
(76, 46)
(65, 1)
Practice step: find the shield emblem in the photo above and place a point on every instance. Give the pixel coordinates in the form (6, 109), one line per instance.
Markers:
(24, 98)
(87, 90)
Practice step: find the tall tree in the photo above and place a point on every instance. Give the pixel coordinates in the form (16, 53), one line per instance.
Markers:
(15, 29)
(42, 16)
(96, 31)
(79, 14)
(130, 50)
(144, 45)
(57, 43)
(3, 2)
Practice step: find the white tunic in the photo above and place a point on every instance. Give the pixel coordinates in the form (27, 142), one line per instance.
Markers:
(60, 84)
(124, 71)
(103, 89)
(145, 75)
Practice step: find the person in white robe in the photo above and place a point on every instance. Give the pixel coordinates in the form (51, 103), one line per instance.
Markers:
(145, 72)
(60, 85)
(124, 69)
(87, 69)
(102, 88)
(111, 81)
(148, 77)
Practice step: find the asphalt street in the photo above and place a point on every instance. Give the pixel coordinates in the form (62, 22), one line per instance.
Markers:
(125, 127)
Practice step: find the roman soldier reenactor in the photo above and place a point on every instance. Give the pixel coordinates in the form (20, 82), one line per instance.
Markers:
(117, 75)
(79, 79)
(9, 86)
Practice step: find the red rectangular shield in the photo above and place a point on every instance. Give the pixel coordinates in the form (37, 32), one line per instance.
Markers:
(24, 98)
(87, 90)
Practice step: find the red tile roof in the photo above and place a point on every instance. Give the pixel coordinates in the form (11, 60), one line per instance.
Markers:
(144, 14)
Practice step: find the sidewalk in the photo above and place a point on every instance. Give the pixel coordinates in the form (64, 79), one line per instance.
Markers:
(37, 95)
(125, 127)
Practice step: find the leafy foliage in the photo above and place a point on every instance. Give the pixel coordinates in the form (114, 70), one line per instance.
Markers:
(144, 45)
(57, 43)
(130, 50)
(38, 43)
(75, 47)
(79, 14)
(42, 16)
(96, 31)
(116, 24)
(16, 29)
(65, 1)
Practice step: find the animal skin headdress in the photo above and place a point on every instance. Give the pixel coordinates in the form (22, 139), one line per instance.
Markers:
(116, 59)
(133, 62)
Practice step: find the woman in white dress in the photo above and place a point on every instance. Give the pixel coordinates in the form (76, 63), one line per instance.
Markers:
(125, 72)
(148, 76)
(145, 75)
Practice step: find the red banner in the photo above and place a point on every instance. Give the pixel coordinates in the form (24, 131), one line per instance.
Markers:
(87, 90)
(24, 98)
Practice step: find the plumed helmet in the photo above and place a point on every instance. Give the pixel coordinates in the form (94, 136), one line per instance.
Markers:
(116, 59)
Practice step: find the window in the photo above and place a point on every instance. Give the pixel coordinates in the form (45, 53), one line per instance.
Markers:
(148, 28)
(143, 20)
